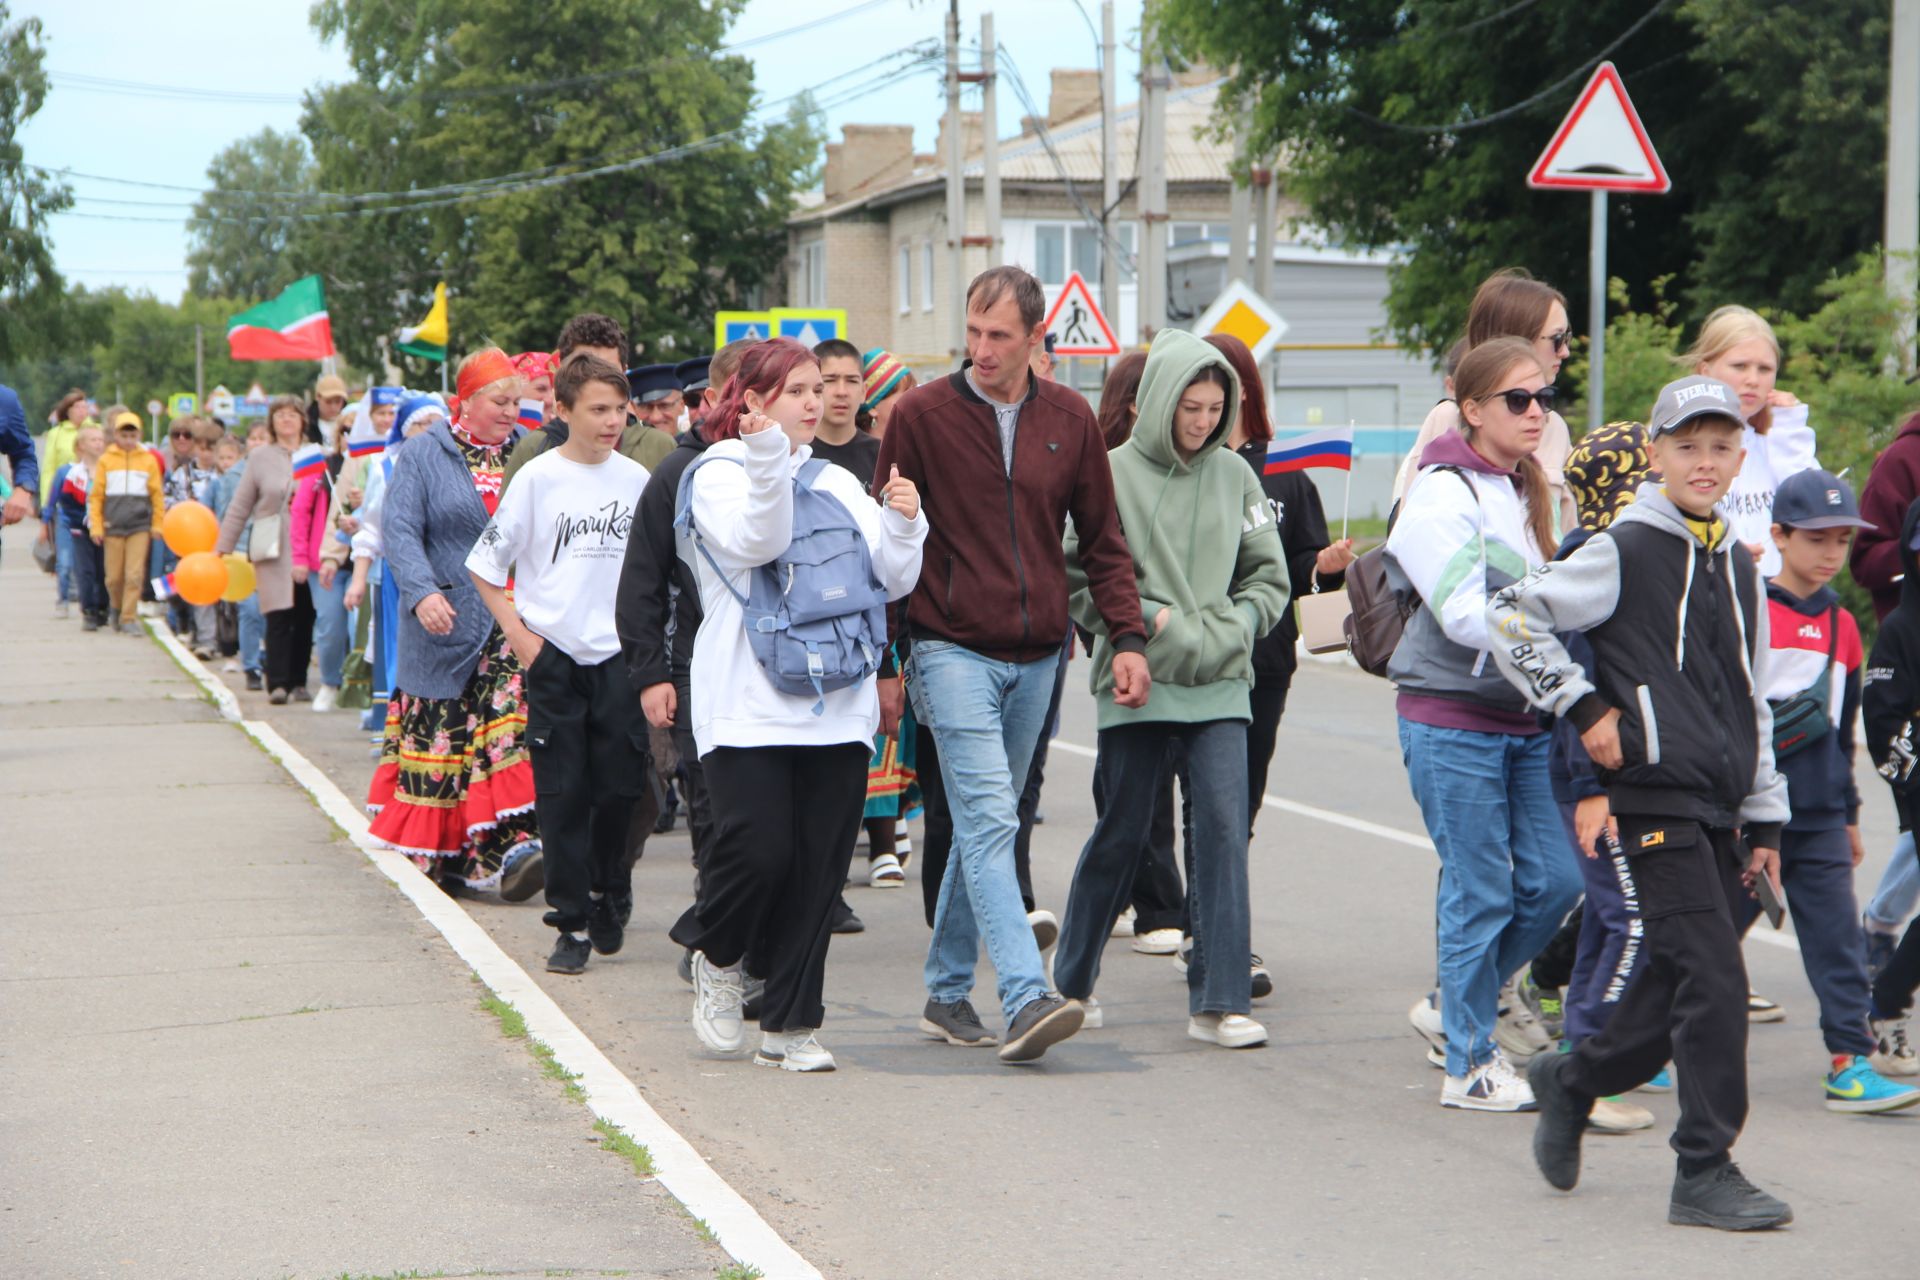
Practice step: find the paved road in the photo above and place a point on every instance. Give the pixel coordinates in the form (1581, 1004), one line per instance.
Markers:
(1133, 1148)
(231, 1049)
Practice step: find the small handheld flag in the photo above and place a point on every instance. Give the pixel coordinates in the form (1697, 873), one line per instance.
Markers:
(308, 460)
(533, 413)
(367, 446)
(163, 586)
(1329, 448)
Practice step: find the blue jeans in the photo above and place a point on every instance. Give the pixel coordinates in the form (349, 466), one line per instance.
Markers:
(63, 558)
(985, 716)
(1507, 872)
(1899, 891)
(253, 634)
(1612, 936)
(332, 625)
(1133, 779)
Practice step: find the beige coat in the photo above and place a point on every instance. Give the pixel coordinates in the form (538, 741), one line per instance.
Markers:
(265, 489)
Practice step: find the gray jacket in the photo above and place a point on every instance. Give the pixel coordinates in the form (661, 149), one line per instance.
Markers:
(431, 518)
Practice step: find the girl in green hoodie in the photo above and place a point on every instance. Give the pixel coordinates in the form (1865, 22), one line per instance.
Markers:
(1212, 579)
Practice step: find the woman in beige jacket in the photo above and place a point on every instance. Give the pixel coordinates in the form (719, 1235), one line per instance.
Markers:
(266, 491)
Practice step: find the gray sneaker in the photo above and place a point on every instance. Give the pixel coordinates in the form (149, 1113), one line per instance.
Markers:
(1041, 1023)
(956, 1023)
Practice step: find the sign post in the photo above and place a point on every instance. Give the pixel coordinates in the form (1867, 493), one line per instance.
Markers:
(1601, 146)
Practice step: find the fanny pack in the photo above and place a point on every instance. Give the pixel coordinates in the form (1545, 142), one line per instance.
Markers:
(1805, 718)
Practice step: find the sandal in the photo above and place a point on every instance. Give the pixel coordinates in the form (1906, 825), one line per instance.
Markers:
(884, 872)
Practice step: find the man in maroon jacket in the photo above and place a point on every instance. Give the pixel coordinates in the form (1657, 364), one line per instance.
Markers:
(1891, 487)
(1001, 459)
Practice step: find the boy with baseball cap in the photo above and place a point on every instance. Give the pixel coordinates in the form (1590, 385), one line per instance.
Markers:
(1674, 714)
(1812, 680)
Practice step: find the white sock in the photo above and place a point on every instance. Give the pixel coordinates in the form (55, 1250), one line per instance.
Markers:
(578, 935)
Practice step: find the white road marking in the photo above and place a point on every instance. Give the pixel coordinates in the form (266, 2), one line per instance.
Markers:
(1395, 835)
(740, 1229)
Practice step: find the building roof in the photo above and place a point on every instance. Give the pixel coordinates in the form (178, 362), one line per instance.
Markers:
(1194, 154)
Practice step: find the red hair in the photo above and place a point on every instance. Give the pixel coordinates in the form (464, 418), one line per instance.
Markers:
(1252, 390)
(764, 369)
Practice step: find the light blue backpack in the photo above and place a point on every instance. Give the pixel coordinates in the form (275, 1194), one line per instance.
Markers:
(816, 616)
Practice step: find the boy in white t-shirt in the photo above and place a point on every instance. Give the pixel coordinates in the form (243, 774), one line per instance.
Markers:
(561, 528)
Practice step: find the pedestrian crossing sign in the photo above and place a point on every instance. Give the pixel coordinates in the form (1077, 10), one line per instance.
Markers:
(812, 327)
(731, 326)
(1076, 324)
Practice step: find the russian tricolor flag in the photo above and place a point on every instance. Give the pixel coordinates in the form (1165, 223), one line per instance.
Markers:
(163, 586)
(368, 447)
(533, 414)
(1331, 448)
(308, 460)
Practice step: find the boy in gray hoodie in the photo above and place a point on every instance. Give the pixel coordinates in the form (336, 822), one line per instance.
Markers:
(1677, 720)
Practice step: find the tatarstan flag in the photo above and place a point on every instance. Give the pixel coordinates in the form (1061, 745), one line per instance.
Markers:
(293, 326)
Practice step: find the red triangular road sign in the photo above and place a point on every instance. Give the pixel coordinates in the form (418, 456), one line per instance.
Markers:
(1077, 325)
(1601, 145)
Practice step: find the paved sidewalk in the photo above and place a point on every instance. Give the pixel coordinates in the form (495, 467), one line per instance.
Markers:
(232, 1048)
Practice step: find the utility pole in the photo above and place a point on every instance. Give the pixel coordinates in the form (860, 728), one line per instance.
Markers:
(1265, 197)
(199, 368)
(990, 142)
(1240, 211)
(1597, 313)
(1903, 168)
(1109, 172)
(956, 195)
(1152, 188)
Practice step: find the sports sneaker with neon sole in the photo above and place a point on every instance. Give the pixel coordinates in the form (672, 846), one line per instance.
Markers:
(1853, 1086)
(1661, 1082)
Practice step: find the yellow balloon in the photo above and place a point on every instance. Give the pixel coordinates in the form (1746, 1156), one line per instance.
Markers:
(239, 577)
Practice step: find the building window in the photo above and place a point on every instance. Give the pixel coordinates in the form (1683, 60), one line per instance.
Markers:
(1197, 232)
(905, 286)
(926, 276)
(812, 285)
(1060, 247)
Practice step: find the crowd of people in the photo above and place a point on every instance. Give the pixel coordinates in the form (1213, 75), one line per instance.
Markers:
(803, 595)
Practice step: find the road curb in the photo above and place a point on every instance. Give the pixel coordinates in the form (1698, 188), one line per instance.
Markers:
(746, 1236)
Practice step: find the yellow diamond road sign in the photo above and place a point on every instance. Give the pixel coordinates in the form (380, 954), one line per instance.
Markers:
(1246, 315)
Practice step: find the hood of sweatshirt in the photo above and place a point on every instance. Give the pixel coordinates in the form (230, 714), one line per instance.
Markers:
(1816, 605)
(1450, 449)
(1654, 507)
(1910, 558)
(1174, 361)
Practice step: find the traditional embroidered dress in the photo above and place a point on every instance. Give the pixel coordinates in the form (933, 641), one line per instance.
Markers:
(454, 785)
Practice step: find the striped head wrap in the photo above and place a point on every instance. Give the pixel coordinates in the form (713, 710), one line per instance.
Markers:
(883, 372)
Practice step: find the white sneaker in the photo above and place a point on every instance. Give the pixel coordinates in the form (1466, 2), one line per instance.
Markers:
(1491, 1086)
(1228, 1030)
(61, 609)
(1761, 1009)
(231, 666)
(327, 699)
(1046, 929)
(1123, 927)
(716, 1005)
(1425, 1017)
(795, 1050)
(1616, 1115)
(1517, 1031)
(1095, 1016)
(1157, 942)
(1895, 1056)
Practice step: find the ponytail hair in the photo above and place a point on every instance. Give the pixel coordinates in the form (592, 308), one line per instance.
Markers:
(1484, 372)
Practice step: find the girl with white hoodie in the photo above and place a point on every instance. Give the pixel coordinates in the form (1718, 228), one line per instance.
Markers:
(787, 774)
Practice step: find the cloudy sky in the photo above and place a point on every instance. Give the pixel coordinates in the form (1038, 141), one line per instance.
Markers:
(185, 78)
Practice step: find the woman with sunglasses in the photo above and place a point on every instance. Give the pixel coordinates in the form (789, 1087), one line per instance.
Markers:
(1512, 304)
(1477, 518)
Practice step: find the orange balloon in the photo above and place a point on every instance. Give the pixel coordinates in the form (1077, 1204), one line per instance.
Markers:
(190, 527)
(200, 578)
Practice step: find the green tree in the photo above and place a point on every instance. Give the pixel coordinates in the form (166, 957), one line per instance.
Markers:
(448, 94)
(1413, 122)
(238, 248)
(30, 289)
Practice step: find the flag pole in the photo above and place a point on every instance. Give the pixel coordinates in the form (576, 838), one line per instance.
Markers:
(1346, 501)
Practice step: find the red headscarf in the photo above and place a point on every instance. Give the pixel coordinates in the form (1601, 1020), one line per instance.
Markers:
(536, 364)
(483, 369)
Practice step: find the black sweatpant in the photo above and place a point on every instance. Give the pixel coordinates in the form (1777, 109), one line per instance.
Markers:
(588, 743)
(694, 778)
(1553, 967)
(1159, 893)
(1688, 1000)
(290, 641)
(1269, 704)
(1893, 989)
(785, 822)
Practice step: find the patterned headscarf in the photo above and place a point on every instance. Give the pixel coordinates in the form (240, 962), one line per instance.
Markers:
(883, 372)
(536, 364)
(1605, 471)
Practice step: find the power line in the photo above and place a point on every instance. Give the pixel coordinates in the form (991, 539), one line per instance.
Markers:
(920, 52)
(679, 152)
(1480, 122)
(173, 92)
